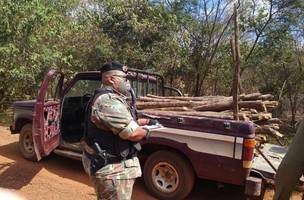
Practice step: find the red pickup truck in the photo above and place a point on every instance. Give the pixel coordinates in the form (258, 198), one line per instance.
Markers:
(186, 148)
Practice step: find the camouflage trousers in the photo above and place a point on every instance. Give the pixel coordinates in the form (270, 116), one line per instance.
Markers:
(115, 181)
(113, 189)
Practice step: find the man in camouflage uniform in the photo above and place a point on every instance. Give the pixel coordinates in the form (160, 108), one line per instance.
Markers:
(111, 120)
(291, 167)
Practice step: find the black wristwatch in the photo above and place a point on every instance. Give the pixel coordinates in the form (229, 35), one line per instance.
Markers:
(147, 132)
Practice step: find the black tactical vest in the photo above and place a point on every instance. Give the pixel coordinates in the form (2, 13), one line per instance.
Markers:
(107, 141)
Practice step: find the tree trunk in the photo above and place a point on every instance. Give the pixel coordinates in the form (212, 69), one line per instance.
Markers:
(237, 64)
(197, 85)
(171, 82)
(214, 91)
(293, 106)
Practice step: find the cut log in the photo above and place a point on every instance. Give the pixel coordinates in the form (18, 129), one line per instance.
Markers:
(183, 108)
(253, 111)
(265, 97)
(150, 99)
(218, 115)
(253, 96)
(252, 106)
(144, 105)
(213, 106)
(249, 110)
(273, 126)
(227, 105)
(202, 98)
(258, 105)
(269, 121)
(270, 105)
(259, 116)
(267, 130)
(221, 106)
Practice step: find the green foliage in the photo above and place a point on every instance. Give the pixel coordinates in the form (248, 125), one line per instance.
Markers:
(185, 40)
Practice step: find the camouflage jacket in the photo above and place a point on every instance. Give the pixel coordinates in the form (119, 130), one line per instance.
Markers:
(111, 112)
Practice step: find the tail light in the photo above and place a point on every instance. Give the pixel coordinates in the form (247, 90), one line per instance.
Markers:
(248, 152)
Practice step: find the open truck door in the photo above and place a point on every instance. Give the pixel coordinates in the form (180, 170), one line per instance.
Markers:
(46, 117)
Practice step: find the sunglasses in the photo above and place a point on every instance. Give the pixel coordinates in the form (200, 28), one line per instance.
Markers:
(123, 77)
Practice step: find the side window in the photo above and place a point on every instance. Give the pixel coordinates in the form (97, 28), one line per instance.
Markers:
(53, 90)
(140, 87)
(137, 86)
(82, 87)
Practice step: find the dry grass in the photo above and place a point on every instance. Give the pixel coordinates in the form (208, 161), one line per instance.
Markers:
(6, 117)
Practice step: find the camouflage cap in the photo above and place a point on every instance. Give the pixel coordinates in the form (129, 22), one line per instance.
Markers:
(113, 66)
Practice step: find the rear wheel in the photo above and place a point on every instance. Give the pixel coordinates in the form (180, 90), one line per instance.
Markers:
(26, 144)
(168, 175)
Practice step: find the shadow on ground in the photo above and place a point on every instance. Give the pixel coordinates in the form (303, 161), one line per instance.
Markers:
(18, 172)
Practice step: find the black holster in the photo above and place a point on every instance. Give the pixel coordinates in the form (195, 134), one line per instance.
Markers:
(97, 162)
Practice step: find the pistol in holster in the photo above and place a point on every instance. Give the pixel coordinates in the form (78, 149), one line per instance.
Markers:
(98, 159)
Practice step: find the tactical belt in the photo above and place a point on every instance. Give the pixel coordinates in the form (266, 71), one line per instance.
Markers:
(110, 159)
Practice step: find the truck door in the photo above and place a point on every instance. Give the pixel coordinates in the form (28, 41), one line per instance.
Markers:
(46, 117)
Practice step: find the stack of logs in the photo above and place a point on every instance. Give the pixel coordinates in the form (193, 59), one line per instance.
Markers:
(254, 107)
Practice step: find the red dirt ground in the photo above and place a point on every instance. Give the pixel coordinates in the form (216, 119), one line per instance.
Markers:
(64, 179)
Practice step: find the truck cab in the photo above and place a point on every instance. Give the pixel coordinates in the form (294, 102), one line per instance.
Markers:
(56, 116)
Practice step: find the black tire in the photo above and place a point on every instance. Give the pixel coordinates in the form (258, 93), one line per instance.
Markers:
(26, 144)
(168, 175)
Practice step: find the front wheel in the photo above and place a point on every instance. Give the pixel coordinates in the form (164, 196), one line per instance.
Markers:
(168, 175)
(26, 144)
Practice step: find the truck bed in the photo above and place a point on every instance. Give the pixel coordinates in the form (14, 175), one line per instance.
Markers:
(214, 147)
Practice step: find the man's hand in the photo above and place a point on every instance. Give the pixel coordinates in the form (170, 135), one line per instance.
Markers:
(150, 128)
(153, 122)
(146, 121)
(143, 132)
(142, 121)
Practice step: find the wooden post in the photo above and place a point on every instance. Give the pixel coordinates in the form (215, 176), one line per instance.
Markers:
(232, 43)
(236, 58)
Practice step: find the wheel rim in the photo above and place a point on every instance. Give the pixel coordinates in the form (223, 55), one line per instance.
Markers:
(28, 142)
(165, 177)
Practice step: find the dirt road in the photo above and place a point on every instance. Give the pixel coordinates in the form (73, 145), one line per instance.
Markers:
(64, 179)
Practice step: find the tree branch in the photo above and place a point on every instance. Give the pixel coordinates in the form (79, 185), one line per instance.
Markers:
(260, 32)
